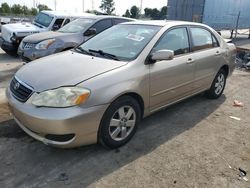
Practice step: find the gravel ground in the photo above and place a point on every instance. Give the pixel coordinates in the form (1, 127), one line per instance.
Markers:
(191, 144)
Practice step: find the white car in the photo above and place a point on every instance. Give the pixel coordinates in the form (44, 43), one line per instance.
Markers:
(12, 34)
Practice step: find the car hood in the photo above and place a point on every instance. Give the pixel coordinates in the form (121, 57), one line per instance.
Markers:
(64, 69)
(22, 27)
(44, 36)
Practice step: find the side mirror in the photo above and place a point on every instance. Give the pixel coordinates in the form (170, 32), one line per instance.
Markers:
(90, 32)
(162, 55)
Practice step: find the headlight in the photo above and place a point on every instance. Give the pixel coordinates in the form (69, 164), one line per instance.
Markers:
(61, 97)
(45, 44)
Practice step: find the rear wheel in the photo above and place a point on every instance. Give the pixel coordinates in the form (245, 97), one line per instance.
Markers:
(218, 85)
(119, 122)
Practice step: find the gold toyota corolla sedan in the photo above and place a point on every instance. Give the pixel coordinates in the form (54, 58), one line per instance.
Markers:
(100, 91)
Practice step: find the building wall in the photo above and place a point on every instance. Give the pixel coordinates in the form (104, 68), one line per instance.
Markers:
(223, 14)
(187, 10)
(219, 14)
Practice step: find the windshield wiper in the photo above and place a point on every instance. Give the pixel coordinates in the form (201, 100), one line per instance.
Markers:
(105, 54)
(80, 49)
(36, 24)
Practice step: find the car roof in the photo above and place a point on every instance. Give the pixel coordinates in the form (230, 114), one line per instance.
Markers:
(100, 17)
(162, 22)
(65, 13)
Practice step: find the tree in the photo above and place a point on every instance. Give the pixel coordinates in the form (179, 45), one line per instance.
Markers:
(148, 12)
(25, 10)
(127, 14)
(107, 6)
(42, 7)
(33, 11)
(134, 11)
(16, 9)
(163, 13)
(5, 8)
(154, 14)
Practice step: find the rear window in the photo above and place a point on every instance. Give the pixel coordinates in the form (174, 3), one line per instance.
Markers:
(202, 39)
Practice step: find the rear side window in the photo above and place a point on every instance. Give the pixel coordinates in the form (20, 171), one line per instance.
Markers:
(176, 40)
(215, 42)
(102, 25)
(66, 22)
(117, 21)
(202, 39)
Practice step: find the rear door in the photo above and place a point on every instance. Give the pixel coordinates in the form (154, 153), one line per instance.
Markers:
(208, 56)
(171, 80)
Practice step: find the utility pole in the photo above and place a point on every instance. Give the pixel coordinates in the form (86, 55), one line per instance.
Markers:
(93, 5)
(237, 25)
(141, 8)
(83, 6)
(34, 3)
(55, 5)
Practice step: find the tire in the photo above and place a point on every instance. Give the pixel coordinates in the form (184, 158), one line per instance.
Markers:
(12, 53)
(119, 123)
(217, 86)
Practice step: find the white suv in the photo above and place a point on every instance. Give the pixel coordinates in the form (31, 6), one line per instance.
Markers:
(12, 34)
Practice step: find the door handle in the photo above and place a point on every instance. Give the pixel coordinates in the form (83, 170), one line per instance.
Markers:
(217, 53)
(190, 61)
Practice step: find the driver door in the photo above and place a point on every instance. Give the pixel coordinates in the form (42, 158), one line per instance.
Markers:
(171, 80)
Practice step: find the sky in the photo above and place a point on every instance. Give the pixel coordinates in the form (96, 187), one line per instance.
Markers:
(120, 5)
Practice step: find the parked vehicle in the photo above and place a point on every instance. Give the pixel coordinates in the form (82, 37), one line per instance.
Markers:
(12, 34)
(47, 43)
(3, 21)
(99, 91)
(222, 14)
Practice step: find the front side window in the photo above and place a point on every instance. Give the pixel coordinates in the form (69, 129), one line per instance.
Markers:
(43, 19)
(176, 40)
(202, 39)
(122, 41)
(102, 25)
(118, 21)
(76, 26)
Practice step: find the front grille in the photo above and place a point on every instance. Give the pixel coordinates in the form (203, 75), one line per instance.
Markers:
(27, 45)
(20, 91)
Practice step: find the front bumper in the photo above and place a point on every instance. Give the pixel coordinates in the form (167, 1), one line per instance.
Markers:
(82, 123)
(8, 46)
(32, 54)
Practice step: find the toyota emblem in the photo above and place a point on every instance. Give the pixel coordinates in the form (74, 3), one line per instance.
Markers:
(16, 86)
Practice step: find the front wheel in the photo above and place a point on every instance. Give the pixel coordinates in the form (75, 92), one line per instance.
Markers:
(12, 53)
(217, 86)
(119, 123)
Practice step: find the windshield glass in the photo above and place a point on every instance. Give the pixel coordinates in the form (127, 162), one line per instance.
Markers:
(125, 42)
(43, 19)
(76, 26)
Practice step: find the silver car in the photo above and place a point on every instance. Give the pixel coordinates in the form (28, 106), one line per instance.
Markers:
(71, 35)
(101, 90)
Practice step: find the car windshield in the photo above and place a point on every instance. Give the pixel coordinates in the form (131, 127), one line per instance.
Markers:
(122, 42)
(76, 26)
(43, 19)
